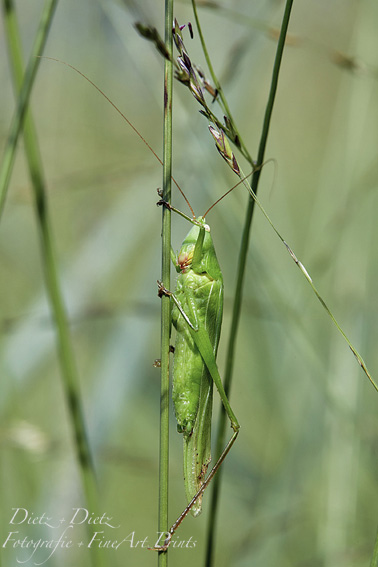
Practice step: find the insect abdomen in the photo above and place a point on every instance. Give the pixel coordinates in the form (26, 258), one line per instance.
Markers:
(188, 364)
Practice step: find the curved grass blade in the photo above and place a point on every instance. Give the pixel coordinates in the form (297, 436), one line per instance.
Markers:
(310, 281)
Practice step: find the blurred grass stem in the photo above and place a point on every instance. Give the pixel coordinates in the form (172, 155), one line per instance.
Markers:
(25, 91)
(374, 558)
(66, 356)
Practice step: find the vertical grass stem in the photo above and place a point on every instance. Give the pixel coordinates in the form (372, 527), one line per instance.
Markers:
(166, 278)
(374, 558)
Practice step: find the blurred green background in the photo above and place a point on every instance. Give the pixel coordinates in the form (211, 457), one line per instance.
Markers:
(300, 485)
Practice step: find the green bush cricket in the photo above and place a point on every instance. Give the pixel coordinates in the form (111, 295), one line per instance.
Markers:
(197, 316)
(197, 308)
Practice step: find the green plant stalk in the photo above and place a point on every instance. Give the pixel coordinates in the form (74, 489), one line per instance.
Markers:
(166, 279)
(25, 91)
(64, 345)
(240, 280)
(224, 103)
(374, 557)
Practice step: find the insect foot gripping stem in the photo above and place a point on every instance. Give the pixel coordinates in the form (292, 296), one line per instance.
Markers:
(163, 203)
(166, 543)
(163, 290)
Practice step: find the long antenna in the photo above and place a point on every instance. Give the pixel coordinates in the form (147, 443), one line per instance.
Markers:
(239, 182)
(124, 117)
(227, 192)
